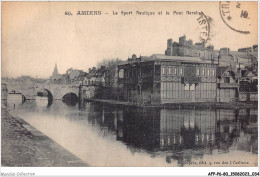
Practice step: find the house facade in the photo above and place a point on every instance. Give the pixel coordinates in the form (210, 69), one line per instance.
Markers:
(95, 77)
(248, 86)
(167, 79)
(227, 84)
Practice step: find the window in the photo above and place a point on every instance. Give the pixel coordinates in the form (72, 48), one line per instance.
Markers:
(203, 72)
(198, 72)
(186, 87)
(208, 72)
(175, 71)
(226, 80)
(181, 71)
(170, 71)
(163, 71)
(213, 72)
(192, 87)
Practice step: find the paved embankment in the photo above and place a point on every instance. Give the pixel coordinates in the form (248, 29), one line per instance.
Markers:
(23, 145)
(187, 105)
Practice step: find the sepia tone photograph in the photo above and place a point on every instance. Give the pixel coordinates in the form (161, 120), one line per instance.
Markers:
(129, 84)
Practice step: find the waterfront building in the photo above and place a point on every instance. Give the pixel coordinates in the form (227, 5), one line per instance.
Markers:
(167, 79)
(186, 73)
(93, 84)
(111, 82)
(87, 92)
(248, 75)
(95, 76)
(248, 86)
(227, 84)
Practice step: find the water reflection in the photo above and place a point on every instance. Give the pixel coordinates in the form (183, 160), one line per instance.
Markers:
(160, 130)
(174, 136)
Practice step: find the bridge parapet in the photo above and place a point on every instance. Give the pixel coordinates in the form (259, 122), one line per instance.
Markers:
(30, 90)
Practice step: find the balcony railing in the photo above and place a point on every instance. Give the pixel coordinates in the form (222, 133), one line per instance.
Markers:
(190, 79)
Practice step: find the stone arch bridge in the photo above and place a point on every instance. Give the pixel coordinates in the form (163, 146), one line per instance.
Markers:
(29, 91)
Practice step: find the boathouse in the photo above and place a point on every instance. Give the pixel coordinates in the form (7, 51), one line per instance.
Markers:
(167, 79)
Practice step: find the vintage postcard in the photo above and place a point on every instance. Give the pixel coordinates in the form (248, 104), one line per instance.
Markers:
(129, 84)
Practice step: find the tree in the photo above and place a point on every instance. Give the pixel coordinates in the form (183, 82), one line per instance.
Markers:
(109, 62)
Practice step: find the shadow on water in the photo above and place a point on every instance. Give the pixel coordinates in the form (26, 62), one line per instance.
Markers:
(50, 101)
(44, 93)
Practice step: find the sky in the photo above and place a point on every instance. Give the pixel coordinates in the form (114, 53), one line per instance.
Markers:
(36, 35)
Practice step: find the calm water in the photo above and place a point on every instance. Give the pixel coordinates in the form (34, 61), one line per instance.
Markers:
(105, 135)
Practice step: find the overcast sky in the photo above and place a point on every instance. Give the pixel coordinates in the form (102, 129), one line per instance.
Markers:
(36, 35)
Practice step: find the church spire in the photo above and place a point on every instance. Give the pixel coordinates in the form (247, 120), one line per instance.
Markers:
(55, 72)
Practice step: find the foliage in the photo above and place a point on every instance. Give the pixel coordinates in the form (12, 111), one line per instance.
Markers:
(108, 62)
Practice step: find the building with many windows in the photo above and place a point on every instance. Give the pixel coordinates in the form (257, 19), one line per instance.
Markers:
(186, 73)
(167, 79)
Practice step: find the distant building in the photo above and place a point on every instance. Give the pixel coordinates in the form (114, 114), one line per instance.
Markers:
(95, 76)
(55, 75)
(247, 49)
(250, 56)
(93, 83)
(73, 74)
(225, 58)
(187, 48)
(224, 51)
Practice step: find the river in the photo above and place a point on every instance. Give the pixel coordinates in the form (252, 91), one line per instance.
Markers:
(110, 135)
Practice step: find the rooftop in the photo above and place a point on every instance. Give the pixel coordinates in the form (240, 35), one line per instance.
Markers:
(239, 54)
(160, 57)
(184, 59)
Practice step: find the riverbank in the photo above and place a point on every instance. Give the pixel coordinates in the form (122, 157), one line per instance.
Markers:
(24, 146)
(196, 105)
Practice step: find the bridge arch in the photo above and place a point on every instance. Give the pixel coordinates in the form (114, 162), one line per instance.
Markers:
(41, 90)
(59, 91)
(50, 95)
(71, 93)
(70, 98)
